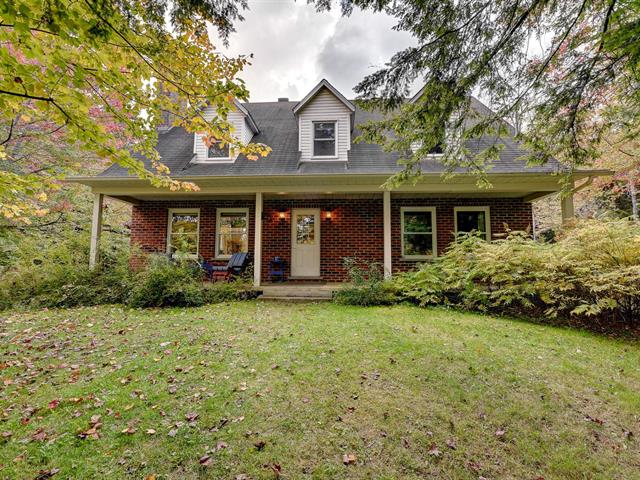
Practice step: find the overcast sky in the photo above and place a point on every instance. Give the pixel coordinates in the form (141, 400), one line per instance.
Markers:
(294, 47)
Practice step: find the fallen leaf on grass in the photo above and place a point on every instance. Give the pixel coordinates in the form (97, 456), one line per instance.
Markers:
(39, 435)
(500, 432)
(191, 416)
(452, 444)
(53, 403)
(260, 444)
(129, 430)
(349, 459)
(151, 431)
(434, 451)
(44, 474)
(221, 445)
(205, 460)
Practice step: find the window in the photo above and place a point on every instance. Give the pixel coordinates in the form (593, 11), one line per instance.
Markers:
(473, 219)
(183, 235)
(324, 139)
(216, 150)
(418, 232)
(232, 231)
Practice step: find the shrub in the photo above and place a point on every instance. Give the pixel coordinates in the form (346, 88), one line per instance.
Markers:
(55, 273)
(163, 283)
(591, 270)
(219, 292)
(367, 285)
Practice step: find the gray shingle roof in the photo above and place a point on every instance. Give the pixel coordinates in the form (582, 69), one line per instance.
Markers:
(279, 129)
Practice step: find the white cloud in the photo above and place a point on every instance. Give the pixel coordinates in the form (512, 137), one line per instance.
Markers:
(294, 47)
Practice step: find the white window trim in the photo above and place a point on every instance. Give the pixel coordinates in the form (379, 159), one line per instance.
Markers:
(434, 233)
(313, 139)
(169, 232)
(198, 138)
(484, 209)
(243, 210)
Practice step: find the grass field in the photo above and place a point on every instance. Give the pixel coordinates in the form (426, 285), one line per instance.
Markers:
(270, 390)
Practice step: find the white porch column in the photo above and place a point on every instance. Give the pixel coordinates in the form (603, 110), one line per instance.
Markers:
(96, 230)
(566, 205)
(257, 247)
(386, 214)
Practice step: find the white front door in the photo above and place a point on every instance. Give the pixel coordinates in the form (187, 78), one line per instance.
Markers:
(305, 242)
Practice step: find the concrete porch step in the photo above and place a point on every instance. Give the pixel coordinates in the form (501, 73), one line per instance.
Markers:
(265, 298)
(293, 292)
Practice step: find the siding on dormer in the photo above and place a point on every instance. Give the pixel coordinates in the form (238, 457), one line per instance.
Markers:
(324, 107)
(241, 131)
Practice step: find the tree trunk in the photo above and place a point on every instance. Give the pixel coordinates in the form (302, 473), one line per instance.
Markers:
(634, 199)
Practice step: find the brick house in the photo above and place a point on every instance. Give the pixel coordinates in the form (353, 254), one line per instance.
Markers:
(317, 197)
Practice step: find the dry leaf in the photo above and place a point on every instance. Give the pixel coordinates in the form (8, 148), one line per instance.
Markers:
(434, 451)
(349, 459)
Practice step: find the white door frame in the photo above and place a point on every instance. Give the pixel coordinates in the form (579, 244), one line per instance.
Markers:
(311, 264)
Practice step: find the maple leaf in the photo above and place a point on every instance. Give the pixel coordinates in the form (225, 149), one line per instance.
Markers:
(53, 403)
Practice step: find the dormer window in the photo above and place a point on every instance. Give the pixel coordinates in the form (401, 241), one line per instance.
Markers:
(324, 139)
(217, 151)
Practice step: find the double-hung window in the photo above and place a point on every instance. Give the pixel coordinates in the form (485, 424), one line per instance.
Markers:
(232, 231)
(324, 139)
(217, 151)
(473, 219)
(183, 232)
(418, 225)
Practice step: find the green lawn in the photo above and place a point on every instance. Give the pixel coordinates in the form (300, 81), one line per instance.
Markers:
(244, 390)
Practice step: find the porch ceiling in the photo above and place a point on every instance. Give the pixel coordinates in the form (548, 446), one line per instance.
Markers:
(529, 186)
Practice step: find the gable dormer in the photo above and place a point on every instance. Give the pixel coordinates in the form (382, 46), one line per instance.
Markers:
(243, 129)
(325, 118)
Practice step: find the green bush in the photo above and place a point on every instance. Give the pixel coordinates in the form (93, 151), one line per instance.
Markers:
(163, 283)
(367, 286)
(591, 270)
(55, 273)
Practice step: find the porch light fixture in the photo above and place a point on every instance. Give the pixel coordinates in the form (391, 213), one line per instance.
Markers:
(329, 215)
(281, 214)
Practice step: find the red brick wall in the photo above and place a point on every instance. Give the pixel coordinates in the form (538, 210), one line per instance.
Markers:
(355, 229)
(149, 222)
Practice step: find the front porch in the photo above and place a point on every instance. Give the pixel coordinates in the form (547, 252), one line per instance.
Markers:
(312, 226)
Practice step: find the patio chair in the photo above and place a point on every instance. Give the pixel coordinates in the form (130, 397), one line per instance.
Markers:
(237, 265)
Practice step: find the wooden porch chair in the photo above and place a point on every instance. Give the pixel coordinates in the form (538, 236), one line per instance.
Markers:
(237, 265)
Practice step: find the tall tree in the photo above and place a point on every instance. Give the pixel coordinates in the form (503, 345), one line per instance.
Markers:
(558, 67)
(88, 73)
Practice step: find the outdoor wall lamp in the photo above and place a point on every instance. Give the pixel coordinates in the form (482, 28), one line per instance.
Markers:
(282, 214)
(329, 215)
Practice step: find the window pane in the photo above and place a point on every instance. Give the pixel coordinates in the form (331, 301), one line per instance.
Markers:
(186, 243)
(217, 151)
(417, 222)
(305, 229)
(233, 222)
(324, 148)
(471, 221)
(437, 150)
(230, 243)
(324, 130)
(232, 233)
(418, 244)
(184, 223)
